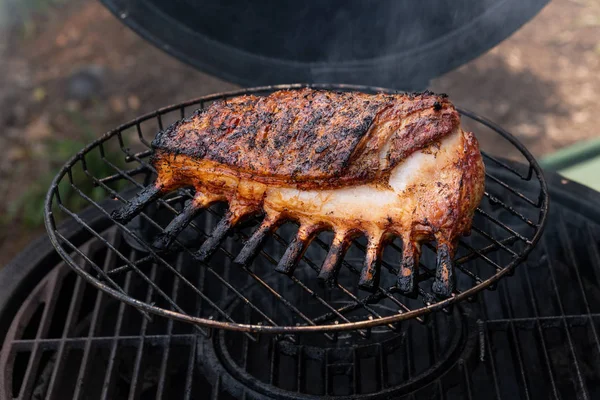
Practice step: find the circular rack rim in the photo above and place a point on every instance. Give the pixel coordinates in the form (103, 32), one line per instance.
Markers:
(255, 328)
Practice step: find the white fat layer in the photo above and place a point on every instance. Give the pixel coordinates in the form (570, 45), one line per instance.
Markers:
(420, 164)
(367, 202)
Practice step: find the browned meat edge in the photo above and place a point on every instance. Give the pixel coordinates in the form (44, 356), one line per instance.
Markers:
(311, 138)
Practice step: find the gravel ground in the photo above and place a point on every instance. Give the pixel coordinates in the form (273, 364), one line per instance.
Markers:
(73, 71)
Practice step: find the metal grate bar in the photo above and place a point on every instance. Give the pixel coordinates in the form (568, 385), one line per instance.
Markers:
(538, 320)
(579, 377)
(484, 337)
(494, 200)
(109, 260)
(485, 258)
(138, 128)
(512, 190)
(300, 369)
(365, 306)
(115, 340)
(569, 247)
(328, 316)
(95, 267)
(547, 321)
(466, 379)
(137, 366)
(503, 226)
(283, 300)
(129, 156)
(434, 352)
(273, 359)
(137, 156)
(408, 352)
(36, 352)
(246, 342)
(187, 393)
(126, 268)
(383, 372)
(201, 285)
(595, 254)
(72, 312)
(139, 272)
(514, 343)
(492, 362)
(486, 250)
(498, 243)
(333, 310)
(355, 376)
(508, 167)
(165, 358)
(129, 172)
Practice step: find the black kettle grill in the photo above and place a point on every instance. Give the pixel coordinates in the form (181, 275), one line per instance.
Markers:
(90, 312)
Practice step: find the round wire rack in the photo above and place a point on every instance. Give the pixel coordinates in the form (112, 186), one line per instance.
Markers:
(220, 294)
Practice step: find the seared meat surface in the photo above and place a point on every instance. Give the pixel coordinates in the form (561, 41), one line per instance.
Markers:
(376, 165)
(312, 138)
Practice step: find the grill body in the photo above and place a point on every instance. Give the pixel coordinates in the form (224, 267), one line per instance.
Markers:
(535, 336)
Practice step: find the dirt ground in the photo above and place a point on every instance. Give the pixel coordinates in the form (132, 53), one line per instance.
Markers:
(74, 71)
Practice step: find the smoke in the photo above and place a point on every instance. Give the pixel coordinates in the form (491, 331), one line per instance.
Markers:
(405, 44)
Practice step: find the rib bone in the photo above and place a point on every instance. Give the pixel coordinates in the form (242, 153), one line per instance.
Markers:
(235, 213)
(254, 243)
(335, 256)
(369, 276)
(164, 240)
(296, 249)
(411, 253)
(137, 204)
(443, 284)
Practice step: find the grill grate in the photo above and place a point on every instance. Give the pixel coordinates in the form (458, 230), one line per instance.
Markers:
(507, 225)
(534, 337)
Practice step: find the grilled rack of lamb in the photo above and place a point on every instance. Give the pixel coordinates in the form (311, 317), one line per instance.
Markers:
(381, 165)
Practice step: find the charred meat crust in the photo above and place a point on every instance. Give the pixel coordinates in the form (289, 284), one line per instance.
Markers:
(311, 138)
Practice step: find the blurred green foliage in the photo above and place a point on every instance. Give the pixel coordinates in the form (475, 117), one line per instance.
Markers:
(28, 208)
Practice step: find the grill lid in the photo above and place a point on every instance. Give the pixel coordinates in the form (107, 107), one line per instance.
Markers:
(400, 44)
